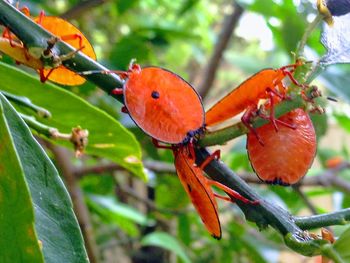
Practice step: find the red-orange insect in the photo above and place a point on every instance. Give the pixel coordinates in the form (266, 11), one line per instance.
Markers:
(287, 154)
(162, 104)
(198, 188)
(64, 31)
(265, 84)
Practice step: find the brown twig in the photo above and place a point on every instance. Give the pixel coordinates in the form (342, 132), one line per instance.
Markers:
(155, 166)
(305, 199)
(230, 23)
(327, 178)
(150, 204)
(81, 211)
(81, 8)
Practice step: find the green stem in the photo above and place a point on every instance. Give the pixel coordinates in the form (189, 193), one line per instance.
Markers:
(300, 50)
(40, 128)
(24, 101)
(341, 217)
(228, 133)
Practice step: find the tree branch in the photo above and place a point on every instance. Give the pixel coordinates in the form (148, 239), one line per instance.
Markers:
(155, 166)
(81, 8)
(341, 217)
(305, 199)
(229, 24)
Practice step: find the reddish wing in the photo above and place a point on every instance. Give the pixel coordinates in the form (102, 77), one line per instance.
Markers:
(286, 154)
(69, 33)
(198, 189)
(163, 105)
(246, 94)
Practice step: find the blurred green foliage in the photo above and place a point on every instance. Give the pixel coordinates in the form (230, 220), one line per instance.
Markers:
(180, 36)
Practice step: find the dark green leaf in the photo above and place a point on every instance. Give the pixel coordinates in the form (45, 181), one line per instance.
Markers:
(184, 225)
(121, 209)
(320, 124)
(187, 6)
(129, 47)
(124, 6)
(55, 222)
(341, 246)
(18, 242)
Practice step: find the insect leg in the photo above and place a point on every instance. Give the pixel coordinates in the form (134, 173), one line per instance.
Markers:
(73, 37)
(225, 198)
(273, 120)
(44, 78)
(215, 155)
(7, 34)
(160, 146)
(231, 193)
(247, 117)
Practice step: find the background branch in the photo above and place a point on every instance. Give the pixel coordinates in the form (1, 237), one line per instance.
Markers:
(81, 8)
(229, 25)
(62, 158)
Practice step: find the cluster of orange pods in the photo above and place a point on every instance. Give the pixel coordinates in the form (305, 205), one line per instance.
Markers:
(169, 110)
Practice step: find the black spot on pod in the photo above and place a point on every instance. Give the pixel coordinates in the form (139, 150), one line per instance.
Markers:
(155, 94)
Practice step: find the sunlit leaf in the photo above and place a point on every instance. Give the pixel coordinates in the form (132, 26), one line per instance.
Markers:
(121, 209)
(165, 241)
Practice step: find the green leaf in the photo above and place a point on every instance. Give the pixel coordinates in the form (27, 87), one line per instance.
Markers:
(120, 209)
(187, 6)
(166, 241)
(129, 47)
(184, 229)
(320, 124)
(341, 246)
(55, 222)
(343, 121)
(18, 242)
(337, 80)
(107, 137)
(110, 218)
(124, 6)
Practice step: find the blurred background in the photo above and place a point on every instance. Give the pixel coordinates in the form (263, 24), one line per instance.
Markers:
(215, 45)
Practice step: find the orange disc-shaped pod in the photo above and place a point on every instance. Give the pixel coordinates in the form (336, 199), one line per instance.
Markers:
(163, 105)
(199, 191)
(286, 154)
(18, 52)
(68, 33)
(246, 94)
